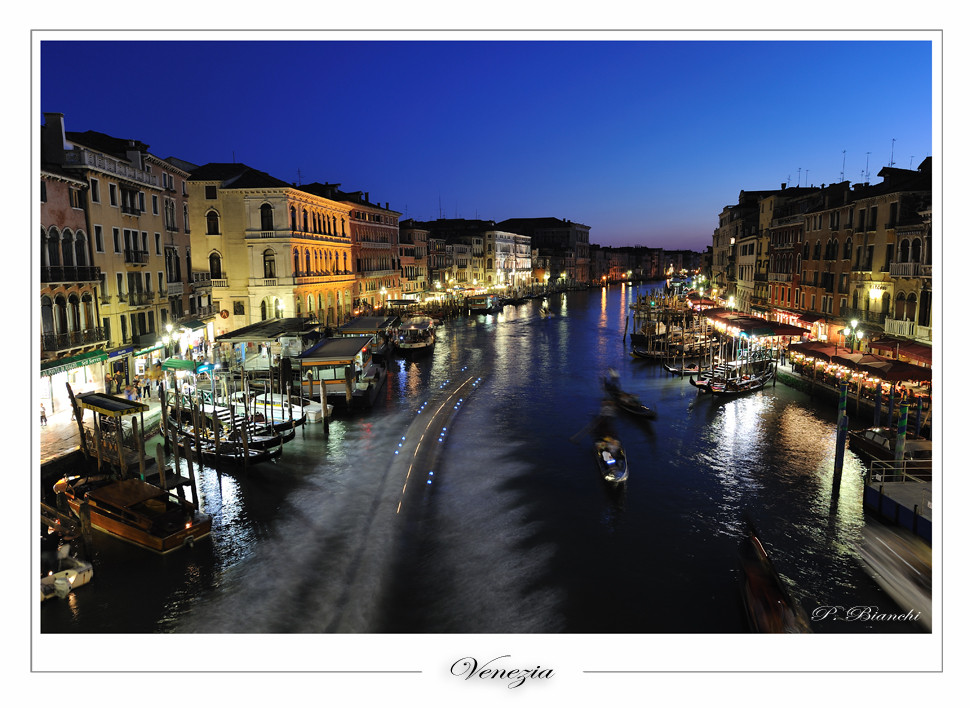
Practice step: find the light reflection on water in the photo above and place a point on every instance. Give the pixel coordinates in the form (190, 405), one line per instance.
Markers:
(516, 515)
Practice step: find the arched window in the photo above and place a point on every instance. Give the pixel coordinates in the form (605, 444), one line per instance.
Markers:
(269, 264)
(262, 310)
(67, 248)
(306, 222)
(817, 255)
(917, 250)
(899, 312)
(80, 249)
(293, 218)
(277, 309)
(185, 217)
(911, 307)
(215, 266)
(847, 249)
(47, 315)
(306, 262)
(296, 261)
(53, 248)
(904, 251)
(60, 315)
(266, 217)
(212, 223)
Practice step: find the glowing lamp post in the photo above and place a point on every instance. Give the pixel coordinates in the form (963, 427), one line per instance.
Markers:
(853, 334)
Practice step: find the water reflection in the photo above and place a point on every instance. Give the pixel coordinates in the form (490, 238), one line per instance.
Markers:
(345, 533)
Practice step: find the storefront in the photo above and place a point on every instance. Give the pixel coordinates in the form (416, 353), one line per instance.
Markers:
(118, 373)
(84, 372)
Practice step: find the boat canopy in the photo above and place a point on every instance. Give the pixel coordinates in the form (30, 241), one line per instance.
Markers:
(114, 406)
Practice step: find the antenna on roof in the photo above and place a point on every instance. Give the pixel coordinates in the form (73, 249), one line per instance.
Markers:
(842, 174)
(892, 152)
(867, 167)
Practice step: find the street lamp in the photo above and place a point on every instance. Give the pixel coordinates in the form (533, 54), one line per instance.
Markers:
(731, 303)
(853, 334)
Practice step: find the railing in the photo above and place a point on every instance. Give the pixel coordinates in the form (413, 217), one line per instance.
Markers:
(81, 156)
(70, 274)
(870, 316)
(220, 282)
(140, 298)
(53, 342)
(175, 288)
(901, 328)
(914, 471)
(926, 271)
(780, 277)
(130, 210)
(924, 334)
(136, 257)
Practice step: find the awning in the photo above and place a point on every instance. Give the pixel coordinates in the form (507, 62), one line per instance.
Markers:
(192, 324)
(904, 347)
(56, 366)
(149, 350)
(173, 364)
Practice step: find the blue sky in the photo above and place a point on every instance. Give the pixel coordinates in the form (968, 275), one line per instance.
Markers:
(644, 141)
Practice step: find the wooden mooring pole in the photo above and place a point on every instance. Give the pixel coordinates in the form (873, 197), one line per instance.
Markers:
(841, 434)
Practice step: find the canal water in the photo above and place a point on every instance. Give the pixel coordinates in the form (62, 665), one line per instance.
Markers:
(467, 501)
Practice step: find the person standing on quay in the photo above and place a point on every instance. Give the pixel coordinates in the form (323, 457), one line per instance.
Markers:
(43, 415)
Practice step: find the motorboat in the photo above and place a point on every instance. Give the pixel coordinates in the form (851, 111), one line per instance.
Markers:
(416, 335)
(880, 443)
(61, 572)
(902, 564)
(611, 460)
(136, 511)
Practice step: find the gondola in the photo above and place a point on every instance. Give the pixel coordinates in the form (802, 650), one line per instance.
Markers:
(702, 384)
(682, 370)
(769, 607)
(733, 387)
(640, 352)
(627, 401)
(611, 460)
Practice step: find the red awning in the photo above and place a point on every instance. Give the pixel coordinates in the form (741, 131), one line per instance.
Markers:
(904, 347)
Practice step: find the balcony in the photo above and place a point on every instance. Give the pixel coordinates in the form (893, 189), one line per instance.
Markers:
(779, 277)
(136, 257)
(70, 274)
(56, 342)
(175, 289)
(901, 328)
(865, 316)
(220, 282)
(140, 298)
(130, 210)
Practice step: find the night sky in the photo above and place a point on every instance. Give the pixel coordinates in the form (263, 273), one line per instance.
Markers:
(644, 141)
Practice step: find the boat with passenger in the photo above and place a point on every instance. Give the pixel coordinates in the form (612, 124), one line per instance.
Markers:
(611, 460)
(483, 304)
(625, 400)
(342, 371)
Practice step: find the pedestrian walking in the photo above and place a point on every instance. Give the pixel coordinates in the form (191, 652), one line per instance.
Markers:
(43, 415)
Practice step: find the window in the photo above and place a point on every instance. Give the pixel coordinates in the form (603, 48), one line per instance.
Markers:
(266, 217)
(269, 264)
(113, 194)
(75, 197)
(121, 283)
(98, 239)
(215, 266)
(158, 244)
(155, 204)
(141, 202)
(212, 223)
(210, 191)
(185, 217)
(43, 191)
(116, 236)
(95, 191)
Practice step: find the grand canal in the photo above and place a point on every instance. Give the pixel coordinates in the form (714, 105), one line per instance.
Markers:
(467, 501)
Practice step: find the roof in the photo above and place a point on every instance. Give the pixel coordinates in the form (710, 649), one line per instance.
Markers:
(904, 347)
(126, 492)
(118, 147)
(367, 324)
(114, 406)
(753, 326)
(334, 350)
(269, 330)
(235, 175)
